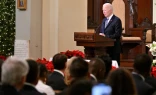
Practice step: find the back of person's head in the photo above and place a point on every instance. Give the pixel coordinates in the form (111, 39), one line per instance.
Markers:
(14, 71)
(79, 68)
(80, 87)
(42, 72)
(59, 61)
(97, 68)
(142, 64)
(1, 62)
(67, 73)
(122, 82)
(33, 74)
(108, 63)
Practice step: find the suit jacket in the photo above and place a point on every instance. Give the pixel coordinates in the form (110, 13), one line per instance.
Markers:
(113, 31)
(30, 90)
(151, 81)
(142, 87)
(56, 81)
(8, 90)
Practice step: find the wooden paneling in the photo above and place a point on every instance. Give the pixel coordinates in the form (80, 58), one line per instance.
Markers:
(95, 14)
(144, 9)
(90, 11)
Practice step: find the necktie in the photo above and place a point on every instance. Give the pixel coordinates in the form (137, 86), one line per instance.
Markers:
(106, 23)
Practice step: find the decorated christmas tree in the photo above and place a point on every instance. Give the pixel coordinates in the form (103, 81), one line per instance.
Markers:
(7, 27)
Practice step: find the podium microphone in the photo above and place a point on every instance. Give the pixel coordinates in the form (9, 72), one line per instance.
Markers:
(97, 30)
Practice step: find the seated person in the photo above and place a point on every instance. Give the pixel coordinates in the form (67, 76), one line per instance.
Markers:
(142, 65)
(67, 74)
(80, 87)
(78, 71)
(108, 64)
(31, 80)
(116, 79)
(41, 85)
(97, 69)
(13, 76)
(56, 79)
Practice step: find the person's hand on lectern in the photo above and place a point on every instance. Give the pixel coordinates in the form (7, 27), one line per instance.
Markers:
(102, 34)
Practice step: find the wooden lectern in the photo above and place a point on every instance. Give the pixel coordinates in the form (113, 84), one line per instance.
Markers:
(94, 44)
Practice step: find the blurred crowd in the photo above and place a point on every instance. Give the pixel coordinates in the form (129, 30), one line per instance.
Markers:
(76, 77)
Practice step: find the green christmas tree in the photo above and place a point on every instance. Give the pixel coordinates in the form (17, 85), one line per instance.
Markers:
(7, 27)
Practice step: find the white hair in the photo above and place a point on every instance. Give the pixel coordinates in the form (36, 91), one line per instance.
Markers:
(13, 69)
(109, 6)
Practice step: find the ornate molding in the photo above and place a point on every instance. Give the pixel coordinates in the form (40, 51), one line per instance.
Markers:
(79, 37)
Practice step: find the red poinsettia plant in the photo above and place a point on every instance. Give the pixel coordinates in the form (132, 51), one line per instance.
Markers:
(70, 54)
(2, 57)
(153, 69)
(49, 65)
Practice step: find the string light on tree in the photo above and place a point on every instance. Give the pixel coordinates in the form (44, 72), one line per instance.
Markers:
(7, 27)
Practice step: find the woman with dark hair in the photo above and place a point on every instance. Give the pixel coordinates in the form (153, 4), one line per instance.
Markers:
(122, 82)
(41, 85)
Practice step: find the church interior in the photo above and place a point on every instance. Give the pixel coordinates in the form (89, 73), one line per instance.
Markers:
(46, 35)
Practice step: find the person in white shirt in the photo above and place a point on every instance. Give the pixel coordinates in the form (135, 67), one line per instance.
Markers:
(41, 86)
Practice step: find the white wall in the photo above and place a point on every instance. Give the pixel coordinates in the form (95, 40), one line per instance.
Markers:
(49, 27)
(29, 26)
(72, 18)
(60, 19)
(23, 20)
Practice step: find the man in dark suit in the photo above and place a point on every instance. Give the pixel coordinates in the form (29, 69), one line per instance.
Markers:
(32, 79)
(56, 79)
(78, 70)
(142, 66)
(111, 27)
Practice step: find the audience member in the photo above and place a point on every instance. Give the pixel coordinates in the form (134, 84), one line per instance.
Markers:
(41, 86)
(148, 78)
(67, 74)
(108, 64)
(56, 79)
(32, 79)
(13, 76)
(79, 69)
(142, 66)
(80, 87)
(97, 69)
(122, 82)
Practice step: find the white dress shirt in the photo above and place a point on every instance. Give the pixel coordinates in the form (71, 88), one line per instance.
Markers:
(109, 18)
(43, 88)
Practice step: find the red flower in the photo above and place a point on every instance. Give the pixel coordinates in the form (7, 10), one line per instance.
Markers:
(48, 64)
(2, 57)
(153, 72)
(70, 54)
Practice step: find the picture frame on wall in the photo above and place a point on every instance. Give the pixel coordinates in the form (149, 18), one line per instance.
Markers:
(22, 4)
